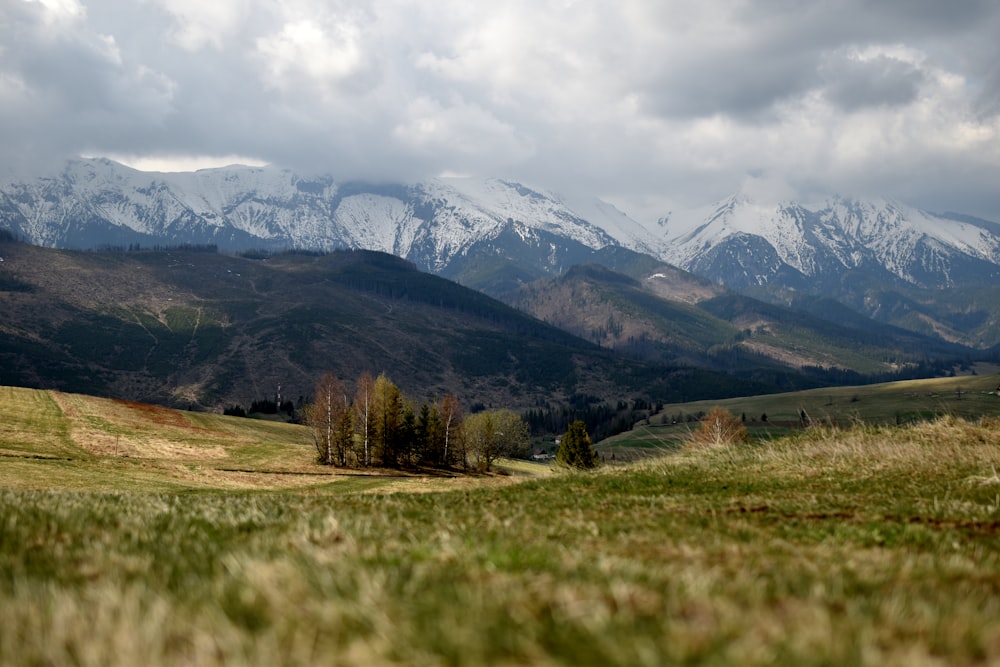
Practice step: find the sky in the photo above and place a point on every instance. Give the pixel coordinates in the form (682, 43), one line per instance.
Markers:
(654, 105)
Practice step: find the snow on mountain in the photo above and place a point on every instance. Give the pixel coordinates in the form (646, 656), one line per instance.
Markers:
(237, 207)
(742, 242)
(894, 231)
(492, 202)
(690, 233)
(377, 222)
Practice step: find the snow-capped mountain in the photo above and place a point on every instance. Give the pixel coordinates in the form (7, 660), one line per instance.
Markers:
(742, 243)
(463, 227)
(98, 202)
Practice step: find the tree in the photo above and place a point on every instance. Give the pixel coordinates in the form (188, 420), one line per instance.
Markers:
(363, 415)
(450, 413)
(387, 410)
(235, 411)
(329, 417)
(429, 436)
(720, 427)
(406, 436)
(575, 450)
(492, 434)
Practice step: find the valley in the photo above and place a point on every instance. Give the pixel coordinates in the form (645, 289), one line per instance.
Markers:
(195, 328)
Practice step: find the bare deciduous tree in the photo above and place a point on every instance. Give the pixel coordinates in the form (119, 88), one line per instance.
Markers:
(719, 427)
(450, 411)
(363, 415)
(329, 418)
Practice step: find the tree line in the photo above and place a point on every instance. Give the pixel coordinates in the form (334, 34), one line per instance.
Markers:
(602, 419)
(375, 425)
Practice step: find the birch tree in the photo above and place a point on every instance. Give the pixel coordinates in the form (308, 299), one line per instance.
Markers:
(450, 415)
(363, 416)
(329, 418)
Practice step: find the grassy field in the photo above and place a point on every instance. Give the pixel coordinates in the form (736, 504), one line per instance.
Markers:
(53, 440)
(897, 403)
(126, 540)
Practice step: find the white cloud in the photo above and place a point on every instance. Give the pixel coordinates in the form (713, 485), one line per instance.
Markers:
(316, 54)
(60, 12)
(181, 163)
(459, 130)
(200, 24)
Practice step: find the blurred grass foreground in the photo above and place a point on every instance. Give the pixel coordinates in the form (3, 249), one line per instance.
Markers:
(204, 540)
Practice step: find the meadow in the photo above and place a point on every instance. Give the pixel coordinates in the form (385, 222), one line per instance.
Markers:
(771, 416)
(131, 535)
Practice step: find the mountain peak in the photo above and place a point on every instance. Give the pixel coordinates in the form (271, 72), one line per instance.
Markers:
(743, 243)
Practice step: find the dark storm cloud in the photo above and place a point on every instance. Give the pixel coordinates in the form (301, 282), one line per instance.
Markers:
(853, 83)
(730, 82)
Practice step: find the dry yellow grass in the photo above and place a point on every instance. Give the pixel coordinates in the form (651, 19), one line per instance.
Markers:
(32, 424)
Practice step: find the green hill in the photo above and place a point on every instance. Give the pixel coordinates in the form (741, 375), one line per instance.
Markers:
(55, 440)
(770, 416)
(661, 313)
(196, 328)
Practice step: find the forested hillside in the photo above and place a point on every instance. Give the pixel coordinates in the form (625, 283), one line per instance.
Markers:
(194, 328)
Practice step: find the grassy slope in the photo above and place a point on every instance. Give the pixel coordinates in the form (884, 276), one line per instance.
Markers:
(886, 403)
(869, 546)
(53, 440)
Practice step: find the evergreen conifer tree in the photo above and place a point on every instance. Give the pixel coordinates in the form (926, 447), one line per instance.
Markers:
(575, 450)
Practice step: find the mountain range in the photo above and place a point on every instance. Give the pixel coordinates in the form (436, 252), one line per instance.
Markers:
(742, 244)
(445, 225)
(451, 227)
(863, 286)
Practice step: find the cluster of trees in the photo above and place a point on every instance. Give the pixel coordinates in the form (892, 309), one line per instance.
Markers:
(263, 406)
(376, 425)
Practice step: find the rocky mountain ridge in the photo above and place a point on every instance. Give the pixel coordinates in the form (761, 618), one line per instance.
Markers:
(499, 233)
(742, 243)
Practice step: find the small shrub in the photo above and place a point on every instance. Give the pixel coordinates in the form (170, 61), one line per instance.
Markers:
(719, 427)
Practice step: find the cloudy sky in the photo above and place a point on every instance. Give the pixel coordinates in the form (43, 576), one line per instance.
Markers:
(651, 104)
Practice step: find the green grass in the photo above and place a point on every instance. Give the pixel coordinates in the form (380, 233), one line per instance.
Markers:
(897, 403)
(871, 546)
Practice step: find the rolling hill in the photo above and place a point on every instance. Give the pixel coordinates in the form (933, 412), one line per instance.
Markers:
(665, 314)
(194, 328)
